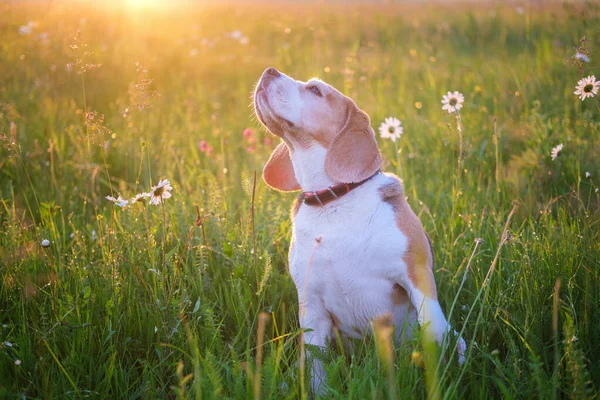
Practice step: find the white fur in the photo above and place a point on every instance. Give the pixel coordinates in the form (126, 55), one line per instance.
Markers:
(309, 167)
(346, 256)
(284, 99)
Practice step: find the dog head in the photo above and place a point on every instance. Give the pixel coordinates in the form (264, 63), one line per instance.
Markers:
(310, 114)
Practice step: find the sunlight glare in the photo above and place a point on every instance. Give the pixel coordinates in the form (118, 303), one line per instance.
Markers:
(143, 3)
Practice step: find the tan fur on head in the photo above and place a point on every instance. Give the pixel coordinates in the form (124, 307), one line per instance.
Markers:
(279, 171)
(353, 155)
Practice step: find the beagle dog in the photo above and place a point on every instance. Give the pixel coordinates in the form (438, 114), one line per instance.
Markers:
(358, 251)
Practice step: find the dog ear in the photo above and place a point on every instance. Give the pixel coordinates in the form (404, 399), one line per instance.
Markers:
(353, 155)
(279, 171)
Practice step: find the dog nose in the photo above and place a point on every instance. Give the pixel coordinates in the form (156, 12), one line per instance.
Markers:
(272, 72)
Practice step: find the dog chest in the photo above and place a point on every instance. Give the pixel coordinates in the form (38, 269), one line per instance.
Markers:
(340, 256)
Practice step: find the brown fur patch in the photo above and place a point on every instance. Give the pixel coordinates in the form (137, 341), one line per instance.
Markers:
(323, 139)
(399, 295)
(390, 192)
(335, 320)
(418, 256)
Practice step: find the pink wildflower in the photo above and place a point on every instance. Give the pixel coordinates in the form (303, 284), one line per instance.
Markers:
(248, 134)
(203, 146)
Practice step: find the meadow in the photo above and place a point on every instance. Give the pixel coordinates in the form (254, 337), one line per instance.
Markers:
(191, 298)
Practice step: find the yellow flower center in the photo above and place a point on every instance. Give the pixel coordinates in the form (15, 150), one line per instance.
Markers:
(391, 129)
(159, 191)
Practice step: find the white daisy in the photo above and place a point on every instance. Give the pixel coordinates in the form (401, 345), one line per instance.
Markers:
(452, 102)
(139, 196)
(587, 87)
(45, 243)
(587, 174)
(391, 128)
(160, 192)
(556, 151)
(25, 29)
(582, 57)
(119, 201)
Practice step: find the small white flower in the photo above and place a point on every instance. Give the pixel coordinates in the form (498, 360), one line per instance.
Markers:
(46, 243)
(25, 29)
(596, 190)
(391, 128)
(94, 235)
(7, 344)
(72, 235)
(155, 329)
(573, 339)
(119, 201)
(139, 196)
(160, 192)
(452, 101)
(582, 57)
(587, 87)
(17, 362)
(556, 151)
(587, 174)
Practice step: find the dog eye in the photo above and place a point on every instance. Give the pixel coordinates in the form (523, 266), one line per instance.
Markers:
(315, 90)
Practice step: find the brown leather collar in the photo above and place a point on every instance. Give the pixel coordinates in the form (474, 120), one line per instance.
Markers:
(324, 196)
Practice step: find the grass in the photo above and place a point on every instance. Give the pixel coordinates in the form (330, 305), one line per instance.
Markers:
(193, 299)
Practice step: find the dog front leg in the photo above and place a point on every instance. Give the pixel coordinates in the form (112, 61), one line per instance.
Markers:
(430, 314)
(315, 319)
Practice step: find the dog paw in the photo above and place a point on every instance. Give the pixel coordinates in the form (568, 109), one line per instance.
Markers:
(461, 349)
